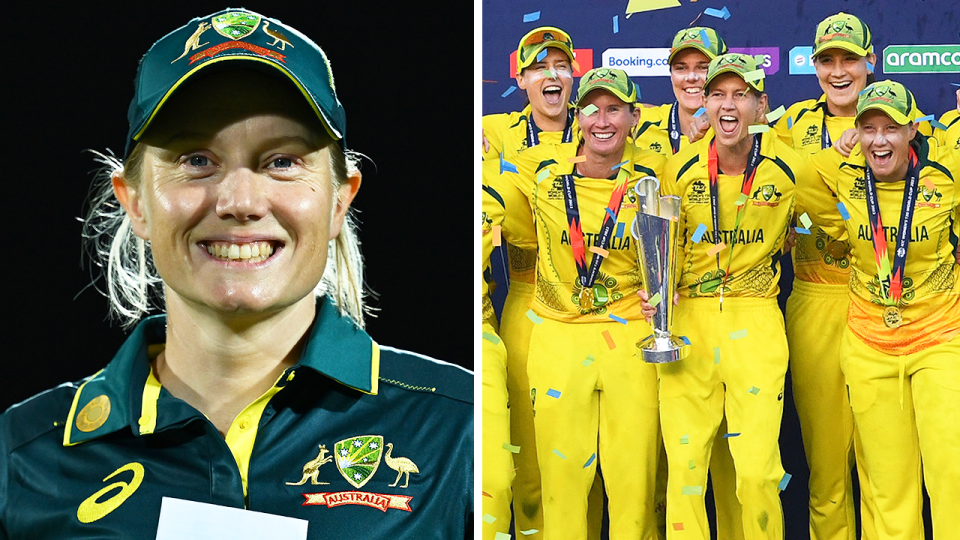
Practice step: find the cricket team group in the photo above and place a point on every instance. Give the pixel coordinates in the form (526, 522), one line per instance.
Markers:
(862, 196)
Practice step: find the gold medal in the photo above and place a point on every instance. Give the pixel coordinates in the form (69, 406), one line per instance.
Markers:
(586, 298)
(892, 317)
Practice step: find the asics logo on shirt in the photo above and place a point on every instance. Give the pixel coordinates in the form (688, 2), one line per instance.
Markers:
(91, 510)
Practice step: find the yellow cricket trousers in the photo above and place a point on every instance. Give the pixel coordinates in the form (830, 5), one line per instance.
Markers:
(497, 458)
(816, 319)
(896, 437)
(595, 400)
(736, 369)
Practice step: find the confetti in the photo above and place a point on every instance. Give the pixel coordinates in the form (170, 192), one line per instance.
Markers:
(690, 465)
(929, 184)
(511, 448)
(509, 91)
(716, 249)
(620, 228)
(610, 213)
(704, 38)
(742, 199)
(755, 75)
(789, 122)
(754, 390)
(485, 494)
(589, 109)
(678, 526)
(506, 165)
(618, 165)
(588, 361)
(609, 339)
(541, 55)
(691, 490)
(577, 159)
(939, 125)
(589, 461)
(618, 319)
(699, 112)
(738, 334)
(636, 6)
(501, 536)
(557, 452)
(685, 340)
(492, 338)
(542, 175)
(775, 114)
(718, 13)
(684, 439)
(698, 234)
(802, 230)
(530, 17)
(553, 393)
(533, 317)
(805, 219)
(528, 532)
(488, 518)
(600, 251)
(716, 355)
(655, 300)
(758, 128)
(784, 481)
(616, 24)
(496, 235)
(926, 118)
(728, 435)
(843, 211)
(549, 74)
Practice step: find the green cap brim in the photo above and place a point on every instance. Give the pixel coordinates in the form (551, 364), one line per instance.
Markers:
(845, 45)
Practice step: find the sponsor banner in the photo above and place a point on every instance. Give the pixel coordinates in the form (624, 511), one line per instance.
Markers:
(380, 501)
(801, 61)
(921, 59)
(639, 62)
(771, 57)
(584, 58)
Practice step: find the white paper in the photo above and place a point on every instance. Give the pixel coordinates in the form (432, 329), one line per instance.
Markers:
(190, 520)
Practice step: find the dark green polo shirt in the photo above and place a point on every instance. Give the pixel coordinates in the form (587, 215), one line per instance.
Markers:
(362, 441)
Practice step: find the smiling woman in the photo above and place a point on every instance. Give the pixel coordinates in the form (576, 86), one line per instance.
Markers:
(233, 218)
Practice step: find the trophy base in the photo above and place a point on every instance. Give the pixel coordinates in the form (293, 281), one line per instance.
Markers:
(662, 350)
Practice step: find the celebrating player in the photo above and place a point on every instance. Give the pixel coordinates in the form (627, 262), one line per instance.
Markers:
(593, 399)
(949, 134)
(258, 389)
(736, 192)
(895, 201)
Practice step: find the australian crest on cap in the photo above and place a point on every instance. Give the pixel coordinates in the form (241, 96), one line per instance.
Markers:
(235, 24)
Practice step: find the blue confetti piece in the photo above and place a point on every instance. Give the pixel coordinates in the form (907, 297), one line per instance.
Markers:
(718, 13)
(955, 84)
(728, 435)
(616, 24)
(610, 213)
(506, 165)
(801, 230)
(843, 211)
(509, 91)
(620, 227)
(553, 393)
(926, 118)
(618, 165)
(530, 17)
(789, 122)
(685, 340)
(785, 481)
(704, 38)
(698, 234)
(541, 55)
(618, 319)
(939, 125)
(700, 111)
(864, 91)
(589, 461)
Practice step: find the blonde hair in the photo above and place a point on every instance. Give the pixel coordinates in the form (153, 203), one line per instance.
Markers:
(133, 286)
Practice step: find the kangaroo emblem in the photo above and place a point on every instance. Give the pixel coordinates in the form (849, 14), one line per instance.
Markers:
(312, 467)
(193, 42)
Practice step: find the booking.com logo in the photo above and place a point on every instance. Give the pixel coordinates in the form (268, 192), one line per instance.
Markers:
(639, 62)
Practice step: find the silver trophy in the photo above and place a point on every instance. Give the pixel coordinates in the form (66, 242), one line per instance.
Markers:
(656, 231)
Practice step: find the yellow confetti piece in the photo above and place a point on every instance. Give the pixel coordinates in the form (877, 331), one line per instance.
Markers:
(655, 300)
(589, 109)
(496, 235)
(609, 340)
(741, 200)
(528, 532)
(557, 452)
(533, 317)
(600, 251)
(739, 334)
(543, 175)
(758, 128)
(577, 159)
(805, 219)
(929, 184)
(690, 465)
(588, 361)
(511, 448)
(684, 439)
(775, 114)
(691, 490)
(488, 518)
(754, 390)
(637, 6)
(492, 338)
(502, 536)
(716, 249)
(716, 355)
(755, 75)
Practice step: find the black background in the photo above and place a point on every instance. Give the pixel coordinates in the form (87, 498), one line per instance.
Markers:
(68, 77)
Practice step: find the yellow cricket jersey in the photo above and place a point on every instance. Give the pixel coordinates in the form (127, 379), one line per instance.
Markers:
(491, 217)
(949, 138)
(930, 303)
(537, 187)
(800, 127)
(758, 243)
(653, 131)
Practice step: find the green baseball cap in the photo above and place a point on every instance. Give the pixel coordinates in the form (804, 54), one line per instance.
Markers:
(890, 97)
(843, 31)
(700, 38)
(232, 39)
(539, 39)
(615, 81)
(743, 65)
